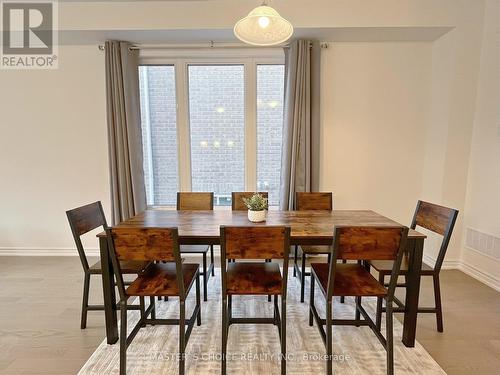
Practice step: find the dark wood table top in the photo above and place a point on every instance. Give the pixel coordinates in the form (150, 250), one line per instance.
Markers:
(307, 227)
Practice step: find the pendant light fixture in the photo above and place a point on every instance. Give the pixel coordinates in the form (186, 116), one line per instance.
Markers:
(263, 26)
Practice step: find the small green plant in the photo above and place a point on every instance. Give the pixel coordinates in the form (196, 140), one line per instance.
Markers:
(256, 202)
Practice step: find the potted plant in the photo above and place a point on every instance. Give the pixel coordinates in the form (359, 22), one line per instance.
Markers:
(257, 206)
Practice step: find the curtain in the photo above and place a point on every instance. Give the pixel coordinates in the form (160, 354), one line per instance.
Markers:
(301, 126)
(128, 193)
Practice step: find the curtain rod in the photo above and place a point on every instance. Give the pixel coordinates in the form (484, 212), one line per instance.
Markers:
(210, 45)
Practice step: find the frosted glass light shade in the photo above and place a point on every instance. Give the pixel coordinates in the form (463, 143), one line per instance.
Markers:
(263, 27)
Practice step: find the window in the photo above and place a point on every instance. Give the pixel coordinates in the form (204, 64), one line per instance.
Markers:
(217, 126)
(159, 133)
(211, 125)
(270, 96)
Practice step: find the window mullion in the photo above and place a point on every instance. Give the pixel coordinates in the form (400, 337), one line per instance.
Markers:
(250, 125)
(183, 134)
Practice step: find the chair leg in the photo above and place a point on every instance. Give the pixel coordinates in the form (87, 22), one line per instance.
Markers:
(437, 298)
(152, 302)
(268, 296)
(329, 349)
(311, 301)
(303, 277)
(205, 277)
(378, 320)
(357, 313)
(342, 298)
(143, 308)
(283, 335)
(224, 335)
(85, 300)
(182, 336)
(212, 259)
(275, 315)
(123, 338)
(389, 339)
(295, 261)
(198, 299)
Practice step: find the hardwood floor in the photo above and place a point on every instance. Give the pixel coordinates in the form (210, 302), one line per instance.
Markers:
(40, 320)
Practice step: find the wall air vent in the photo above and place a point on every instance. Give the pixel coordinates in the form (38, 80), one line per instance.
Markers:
(483, 243)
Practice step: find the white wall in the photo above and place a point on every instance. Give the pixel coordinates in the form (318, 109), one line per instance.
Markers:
(53, 148)
(482, 209)
(375, 104)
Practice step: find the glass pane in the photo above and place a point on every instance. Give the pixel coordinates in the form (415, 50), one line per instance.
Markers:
(159, 133)
(217, 125)
(270, 95)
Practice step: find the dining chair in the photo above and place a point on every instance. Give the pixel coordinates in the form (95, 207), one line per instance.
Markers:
(315, 202)
(253, 277)
(237, 203)
(170, 277)
(81, 221)
(195, 201)
(355, 280)
(439, 220)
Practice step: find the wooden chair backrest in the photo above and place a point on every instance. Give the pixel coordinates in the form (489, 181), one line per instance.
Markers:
(150, 244)
(86, 218)
(438, 219)
(237, 199)
(83, 220)
(194, 201)
(368, 243)
(314, 201)
(255, 242)
(433, 217)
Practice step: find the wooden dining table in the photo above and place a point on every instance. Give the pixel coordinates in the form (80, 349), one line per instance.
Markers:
(307, 228)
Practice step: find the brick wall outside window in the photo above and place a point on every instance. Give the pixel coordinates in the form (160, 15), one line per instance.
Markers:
(217, 130)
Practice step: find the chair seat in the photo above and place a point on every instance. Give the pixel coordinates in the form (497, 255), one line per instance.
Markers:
(316, 249)
(127, 267)
(385, 267)
(194, 249)
(350, 280)
(253, 279)
(160, 279)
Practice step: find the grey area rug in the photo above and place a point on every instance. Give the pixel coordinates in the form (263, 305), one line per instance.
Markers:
(254, 349)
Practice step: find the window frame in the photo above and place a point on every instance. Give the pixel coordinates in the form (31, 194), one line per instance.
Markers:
(250, 58)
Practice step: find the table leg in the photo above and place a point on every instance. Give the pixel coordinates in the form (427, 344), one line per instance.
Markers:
(412, 291)
(108, 287)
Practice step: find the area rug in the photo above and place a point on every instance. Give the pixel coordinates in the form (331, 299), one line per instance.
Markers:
(254, 349)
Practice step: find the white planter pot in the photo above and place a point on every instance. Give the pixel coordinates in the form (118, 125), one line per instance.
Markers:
(257, 216)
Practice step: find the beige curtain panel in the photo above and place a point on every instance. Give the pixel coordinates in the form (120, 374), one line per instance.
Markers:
(128, 194)
(300, 152)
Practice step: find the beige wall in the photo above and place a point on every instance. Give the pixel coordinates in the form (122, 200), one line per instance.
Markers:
(482, 209)
(53, 148)
(375, 104)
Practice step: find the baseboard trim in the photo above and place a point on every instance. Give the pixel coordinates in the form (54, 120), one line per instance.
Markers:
(484, 277)
(45, 251)
(447, 264)
(468, 269)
